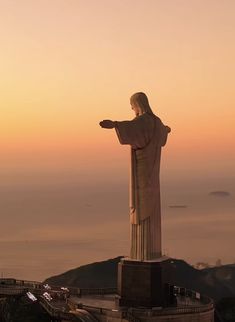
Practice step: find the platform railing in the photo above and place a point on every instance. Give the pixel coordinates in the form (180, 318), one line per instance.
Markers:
(34, 285)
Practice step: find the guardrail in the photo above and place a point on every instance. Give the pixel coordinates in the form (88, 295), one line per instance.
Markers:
(13, 281)
(132, 315)
(57, 313)
(131, 312)
(175, 310)
(33, 285)
(199, 304)
(98, 291)
(54, 311)
(12, 292)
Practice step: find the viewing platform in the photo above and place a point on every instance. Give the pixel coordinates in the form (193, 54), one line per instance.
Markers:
(102, 304)
(189, 306)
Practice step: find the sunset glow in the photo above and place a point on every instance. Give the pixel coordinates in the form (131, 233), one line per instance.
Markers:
(68, 64)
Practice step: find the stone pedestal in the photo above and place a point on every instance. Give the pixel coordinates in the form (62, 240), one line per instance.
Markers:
(144, 283)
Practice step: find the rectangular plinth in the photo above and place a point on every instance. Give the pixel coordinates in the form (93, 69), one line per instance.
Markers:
(143, 283)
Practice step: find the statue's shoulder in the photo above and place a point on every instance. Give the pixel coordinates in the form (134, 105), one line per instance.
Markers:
(146, 116)
(141, 118)
(148, 119)
(156, 119)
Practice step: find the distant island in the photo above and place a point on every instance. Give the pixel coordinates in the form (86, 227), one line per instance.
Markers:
(220, 193)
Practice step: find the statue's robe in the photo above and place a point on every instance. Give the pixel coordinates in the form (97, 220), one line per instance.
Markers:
(146, 135)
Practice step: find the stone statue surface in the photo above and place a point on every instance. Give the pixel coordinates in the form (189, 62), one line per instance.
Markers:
(146, 135)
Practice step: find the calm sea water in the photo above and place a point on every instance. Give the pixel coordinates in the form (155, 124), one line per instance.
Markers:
(38, 260)
(67, 219)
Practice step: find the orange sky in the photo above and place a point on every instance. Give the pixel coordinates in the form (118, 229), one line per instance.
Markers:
(67, 64)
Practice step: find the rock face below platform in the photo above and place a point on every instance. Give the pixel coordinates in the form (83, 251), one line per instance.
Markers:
(144, 283)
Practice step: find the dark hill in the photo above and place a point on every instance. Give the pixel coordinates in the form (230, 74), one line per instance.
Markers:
(216, 282)
(95, 275)
(212, 282)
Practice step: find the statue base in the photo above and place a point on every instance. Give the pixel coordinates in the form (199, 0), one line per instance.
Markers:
(144, 283)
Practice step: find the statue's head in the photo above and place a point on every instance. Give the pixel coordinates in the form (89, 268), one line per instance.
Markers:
(140, 104)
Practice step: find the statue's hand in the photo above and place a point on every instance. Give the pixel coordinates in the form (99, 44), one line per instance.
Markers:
(168, 129)
(107, 124)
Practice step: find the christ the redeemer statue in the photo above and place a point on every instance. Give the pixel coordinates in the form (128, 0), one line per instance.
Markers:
(146, 134)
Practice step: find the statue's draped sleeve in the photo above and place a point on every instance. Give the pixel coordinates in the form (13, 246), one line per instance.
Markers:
(135, 132)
